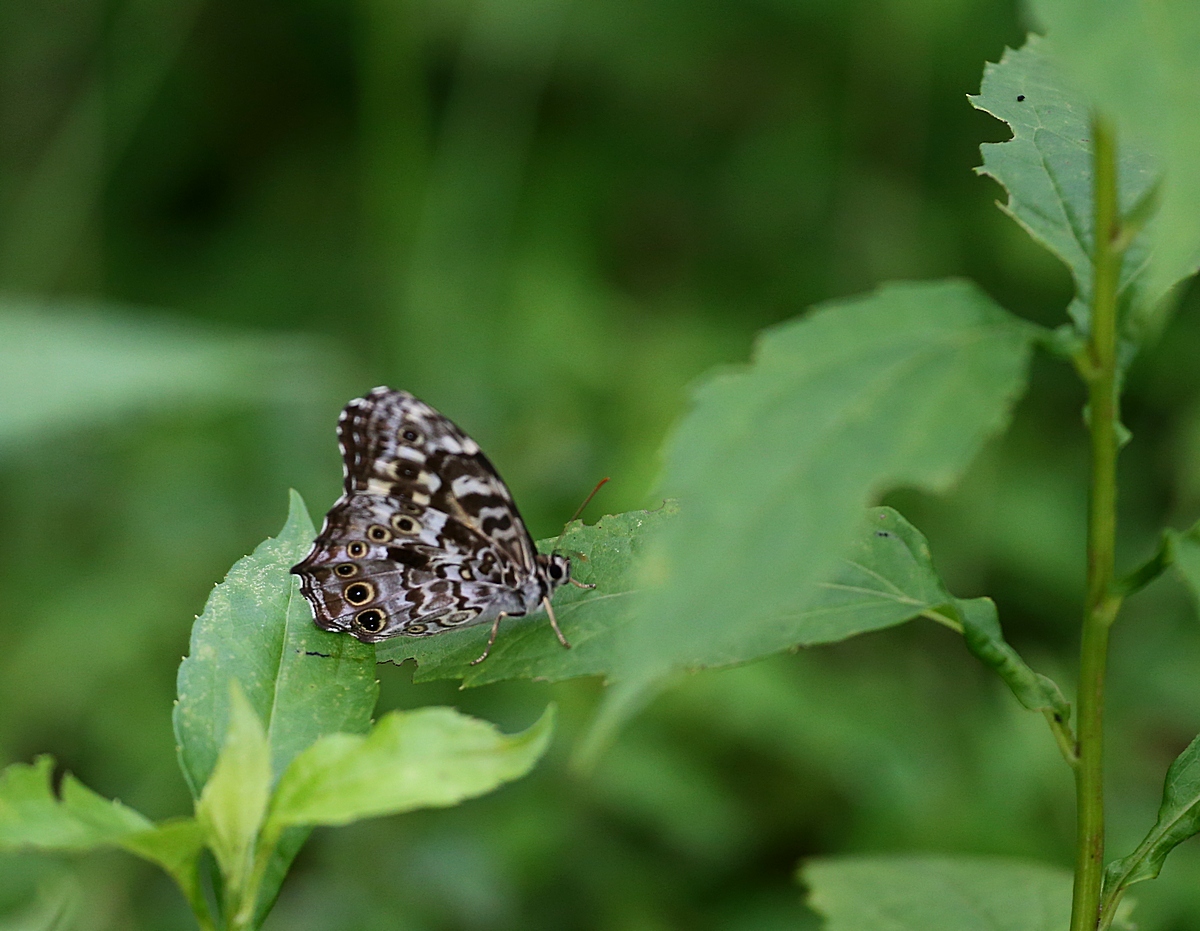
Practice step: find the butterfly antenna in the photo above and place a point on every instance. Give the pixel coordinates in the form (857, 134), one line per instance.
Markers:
(586, 501)
(579, 510)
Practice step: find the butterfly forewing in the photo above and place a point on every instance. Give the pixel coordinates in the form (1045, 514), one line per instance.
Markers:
(397, 445)
(425, 537)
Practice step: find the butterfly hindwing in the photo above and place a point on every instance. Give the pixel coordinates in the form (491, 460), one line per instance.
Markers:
(421, 582)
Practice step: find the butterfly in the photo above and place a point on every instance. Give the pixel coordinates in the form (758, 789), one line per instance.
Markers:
(426, 537)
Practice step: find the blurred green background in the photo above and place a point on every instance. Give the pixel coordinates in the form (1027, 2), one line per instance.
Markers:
(221, 219)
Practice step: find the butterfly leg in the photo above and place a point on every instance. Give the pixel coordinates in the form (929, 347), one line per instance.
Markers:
(588, 585)
(554, 623)
(491, 639)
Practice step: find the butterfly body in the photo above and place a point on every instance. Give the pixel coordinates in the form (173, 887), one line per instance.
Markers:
(425, 537)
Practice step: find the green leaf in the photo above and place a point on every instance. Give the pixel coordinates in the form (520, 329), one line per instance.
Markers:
(175, 845)
(607, 554)
(1178, 819)
(1047, 170)
(65, 366)
(981, 630)
(257, 630)
(432, 757)
(936, 893)
(234, 800)
(31, 815)
(1139, 64)
(886, 578)
(775, 461)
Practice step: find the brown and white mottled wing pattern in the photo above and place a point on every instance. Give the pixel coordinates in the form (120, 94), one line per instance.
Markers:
(397, 445)
(425, 537)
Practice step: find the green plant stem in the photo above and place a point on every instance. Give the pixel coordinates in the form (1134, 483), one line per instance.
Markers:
(1103, 601)
(242, 918)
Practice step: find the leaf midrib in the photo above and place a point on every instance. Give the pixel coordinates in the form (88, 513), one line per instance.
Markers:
(284, 640)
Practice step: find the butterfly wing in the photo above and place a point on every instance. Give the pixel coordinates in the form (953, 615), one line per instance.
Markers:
(374, 585)
(424, 538)
(395, 444)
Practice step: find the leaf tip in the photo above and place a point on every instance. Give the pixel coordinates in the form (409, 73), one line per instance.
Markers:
(299, 522)
(540, 731)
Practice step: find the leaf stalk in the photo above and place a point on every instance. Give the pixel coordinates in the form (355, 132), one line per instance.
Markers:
(1068, 746)
(1162, 560)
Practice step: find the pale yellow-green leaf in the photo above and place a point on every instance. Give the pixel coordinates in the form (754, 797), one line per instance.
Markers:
(234, 801)
(427, 758)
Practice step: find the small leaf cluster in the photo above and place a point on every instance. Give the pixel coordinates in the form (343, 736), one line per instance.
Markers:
(274, 737)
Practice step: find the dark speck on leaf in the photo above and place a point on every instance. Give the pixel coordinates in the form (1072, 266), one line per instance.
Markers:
(882, 533)
(1020, 97)
(314, 653)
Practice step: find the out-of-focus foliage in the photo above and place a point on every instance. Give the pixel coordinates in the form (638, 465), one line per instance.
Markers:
(32, 813)
(546, 218)
(65, 367)
(774, 461)
(939, 893)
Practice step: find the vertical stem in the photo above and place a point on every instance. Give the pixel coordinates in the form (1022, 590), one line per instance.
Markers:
(1102, 602)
